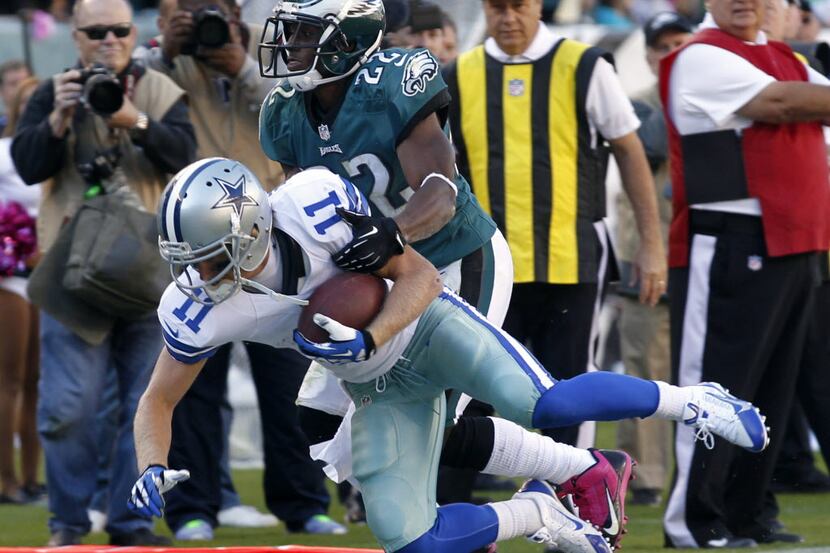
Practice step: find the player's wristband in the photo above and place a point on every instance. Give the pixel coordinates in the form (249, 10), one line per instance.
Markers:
(443, 178)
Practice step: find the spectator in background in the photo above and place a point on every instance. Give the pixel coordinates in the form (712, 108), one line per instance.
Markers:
(225, 92)
(12, 73)
(534, 149)
(426, 27)
(397, 24)
(809, 25)
(795, 469)
(615, 14)
(750, 212)
(223, 84)
(450, 39)
(644, 332)
(18, 332)
(79, 342)
(781, 19)
(793, 20)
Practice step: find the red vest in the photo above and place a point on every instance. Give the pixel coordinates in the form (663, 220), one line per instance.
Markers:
(784, 166)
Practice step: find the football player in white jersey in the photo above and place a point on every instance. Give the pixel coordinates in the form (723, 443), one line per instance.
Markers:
(243, 263)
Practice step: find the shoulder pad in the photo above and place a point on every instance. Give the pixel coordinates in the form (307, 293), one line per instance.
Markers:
(281, 91)
(275, 123)
(304, 207)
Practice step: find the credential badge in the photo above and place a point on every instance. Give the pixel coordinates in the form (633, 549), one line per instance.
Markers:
(516, 87)
(323, 129)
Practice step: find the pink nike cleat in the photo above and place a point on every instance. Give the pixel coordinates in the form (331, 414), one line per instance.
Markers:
(599, 493)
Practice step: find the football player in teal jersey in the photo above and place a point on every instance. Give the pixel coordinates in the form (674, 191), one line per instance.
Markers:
(378, 119)
(374, 117)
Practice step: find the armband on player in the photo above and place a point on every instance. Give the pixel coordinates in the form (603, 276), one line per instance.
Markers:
(443, 178)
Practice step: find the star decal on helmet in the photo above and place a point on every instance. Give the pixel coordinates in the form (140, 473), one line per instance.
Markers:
(235, 196)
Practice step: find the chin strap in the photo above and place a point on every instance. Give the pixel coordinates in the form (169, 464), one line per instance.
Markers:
(273, 295)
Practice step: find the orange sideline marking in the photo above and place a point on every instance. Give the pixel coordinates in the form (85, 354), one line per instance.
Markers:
(242, 549)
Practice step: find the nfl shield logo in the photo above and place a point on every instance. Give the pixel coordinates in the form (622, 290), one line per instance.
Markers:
(755, 262)
(324, 131)
(516, 87)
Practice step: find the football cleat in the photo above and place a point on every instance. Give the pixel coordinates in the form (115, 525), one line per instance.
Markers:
(562, 529)
(598, 493)
(713, 410)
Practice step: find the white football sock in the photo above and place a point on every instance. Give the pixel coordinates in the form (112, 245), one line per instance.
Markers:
(518, 452)
(517, 517)
(672, 401)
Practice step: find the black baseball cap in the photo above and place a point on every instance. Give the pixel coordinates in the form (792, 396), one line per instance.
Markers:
(662, 22)
(424, 16)
(397, 14)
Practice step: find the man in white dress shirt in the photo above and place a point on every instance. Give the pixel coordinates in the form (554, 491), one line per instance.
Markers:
(751, 198)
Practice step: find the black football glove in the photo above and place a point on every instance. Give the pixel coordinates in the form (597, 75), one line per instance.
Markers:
(376, 240)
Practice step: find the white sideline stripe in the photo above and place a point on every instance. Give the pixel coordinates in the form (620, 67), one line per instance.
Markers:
(587, 434)
(691, 367)
(502, 280)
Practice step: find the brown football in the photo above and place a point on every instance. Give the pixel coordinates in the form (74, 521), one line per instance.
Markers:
(353, 299)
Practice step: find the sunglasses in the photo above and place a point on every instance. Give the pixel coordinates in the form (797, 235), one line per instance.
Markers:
(100, 32)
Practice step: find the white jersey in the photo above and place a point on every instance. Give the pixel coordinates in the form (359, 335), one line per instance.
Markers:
(304, 209)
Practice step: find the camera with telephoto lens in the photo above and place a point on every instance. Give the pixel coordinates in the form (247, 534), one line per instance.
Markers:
(211, 29)
(102, 91)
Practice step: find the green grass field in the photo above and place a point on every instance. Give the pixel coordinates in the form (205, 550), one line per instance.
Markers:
(808, 515)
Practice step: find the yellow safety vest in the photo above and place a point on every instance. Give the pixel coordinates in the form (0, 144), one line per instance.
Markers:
(525, 146)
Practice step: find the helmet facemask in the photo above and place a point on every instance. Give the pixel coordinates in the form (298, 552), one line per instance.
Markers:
(230, 255)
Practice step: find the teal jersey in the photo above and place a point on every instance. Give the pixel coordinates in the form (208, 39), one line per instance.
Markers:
(386, 98)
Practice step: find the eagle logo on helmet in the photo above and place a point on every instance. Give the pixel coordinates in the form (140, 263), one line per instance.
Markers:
(366, 7)
(420, 69)
(234, 196)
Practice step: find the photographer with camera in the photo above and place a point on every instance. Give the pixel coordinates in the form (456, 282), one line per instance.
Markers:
(105, 133)
(208, 51)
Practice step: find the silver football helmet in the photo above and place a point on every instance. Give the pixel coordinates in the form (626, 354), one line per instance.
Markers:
(214, 217)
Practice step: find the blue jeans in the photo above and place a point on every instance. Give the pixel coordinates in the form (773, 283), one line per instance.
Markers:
(229, 496)
(73, 375)
(106, 422)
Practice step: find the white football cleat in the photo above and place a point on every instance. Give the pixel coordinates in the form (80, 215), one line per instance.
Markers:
(562, 529)
(245, 516)
(97, 520)
(713, 410)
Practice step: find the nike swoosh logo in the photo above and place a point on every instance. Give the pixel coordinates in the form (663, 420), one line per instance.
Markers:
(368, 234)
(613, 526)
(738, 407)
(577, 524)
(718, 543)
(174, 333)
